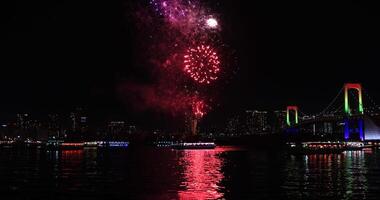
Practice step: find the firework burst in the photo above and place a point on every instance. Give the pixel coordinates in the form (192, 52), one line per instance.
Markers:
(199, 109)
(202, 64)
(173, 9)
(187, 57)
(187, 16)
(212, 23)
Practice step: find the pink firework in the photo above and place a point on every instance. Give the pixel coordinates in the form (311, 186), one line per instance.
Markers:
(173, 10)
(199, 109)
(189, 17)
(202, 64)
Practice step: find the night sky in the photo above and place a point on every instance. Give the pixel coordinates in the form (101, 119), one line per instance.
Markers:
(59, 55)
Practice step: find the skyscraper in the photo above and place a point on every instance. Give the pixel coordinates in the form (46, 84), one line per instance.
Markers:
(232, 128)
(116, 129)
(249, 126)
(260, 122)
(22, 121)
(79, 120)
(279, 123)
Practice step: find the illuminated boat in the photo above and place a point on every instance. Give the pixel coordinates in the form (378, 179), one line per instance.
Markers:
(94, 144)
(53, 143)
(71, 145)
(355, 146)
(324, 147)
(33, 143)
(117, 144)
(164, 144)
(113, 144)
(194, 145)
(106, 144)
(7, 143)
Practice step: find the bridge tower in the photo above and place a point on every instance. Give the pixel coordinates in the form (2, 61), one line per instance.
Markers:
(358, 88)
(353, 118)
(292, 121)
(288, 110)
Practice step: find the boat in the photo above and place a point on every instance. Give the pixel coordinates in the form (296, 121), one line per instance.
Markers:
(194, 145)
(117, 144)
(324, 147)
(163, 144)
(7, 143)
(316, 148)
(113, 144)
(33, 143)
(53, 144)
(71, 145)
(93, 144)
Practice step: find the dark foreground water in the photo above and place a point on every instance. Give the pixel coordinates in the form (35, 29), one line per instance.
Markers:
(223, 173)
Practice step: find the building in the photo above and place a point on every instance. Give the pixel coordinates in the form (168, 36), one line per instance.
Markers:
(233, 126)
(22, 121)
(120, 129)
(26, 127)
(54, 126)
(53, 122)
(249, 125)
(79, 120)
(116, 128)
(260, 122)
(279, 122)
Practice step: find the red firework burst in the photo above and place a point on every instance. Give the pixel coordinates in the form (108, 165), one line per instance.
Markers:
(202, 64)
(199, 109)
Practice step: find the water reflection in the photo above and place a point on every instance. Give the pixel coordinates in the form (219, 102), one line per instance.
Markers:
(327, 176)
(202, 174)
(356, 171)
(222, 173)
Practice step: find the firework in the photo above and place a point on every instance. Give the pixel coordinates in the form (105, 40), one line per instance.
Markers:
(202, 64)
(199, 109)
(187, 16)
(174, 10)
(211, 23)
(185, 50)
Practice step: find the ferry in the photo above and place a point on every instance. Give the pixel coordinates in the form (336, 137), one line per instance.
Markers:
(94, 144)
(324, 147)
(71, 145)
(117, 144)
(7, 143)
(53, 143)
(34, 143)
(194, 145)
(163, 144)
(113, 144)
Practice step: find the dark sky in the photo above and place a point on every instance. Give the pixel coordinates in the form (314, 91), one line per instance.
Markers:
(56, 55)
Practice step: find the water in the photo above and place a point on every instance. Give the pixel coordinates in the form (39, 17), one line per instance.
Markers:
(222, 173)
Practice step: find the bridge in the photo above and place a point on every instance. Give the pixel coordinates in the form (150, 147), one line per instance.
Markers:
(346, 118)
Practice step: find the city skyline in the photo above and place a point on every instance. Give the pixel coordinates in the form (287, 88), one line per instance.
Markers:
(189, 99)
(87, 65)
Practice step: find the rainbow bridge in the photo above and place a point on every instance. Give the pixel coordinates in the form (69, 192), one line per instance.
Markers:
(345, 118)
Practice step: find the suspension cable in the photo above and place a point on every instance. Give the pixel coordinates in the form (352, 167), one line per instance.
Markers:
(331, 103)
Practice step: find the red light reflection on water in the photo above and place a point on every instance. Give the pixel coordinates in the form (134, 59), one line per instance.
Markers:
(71, 160)
(202, 174)
(72, 154)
